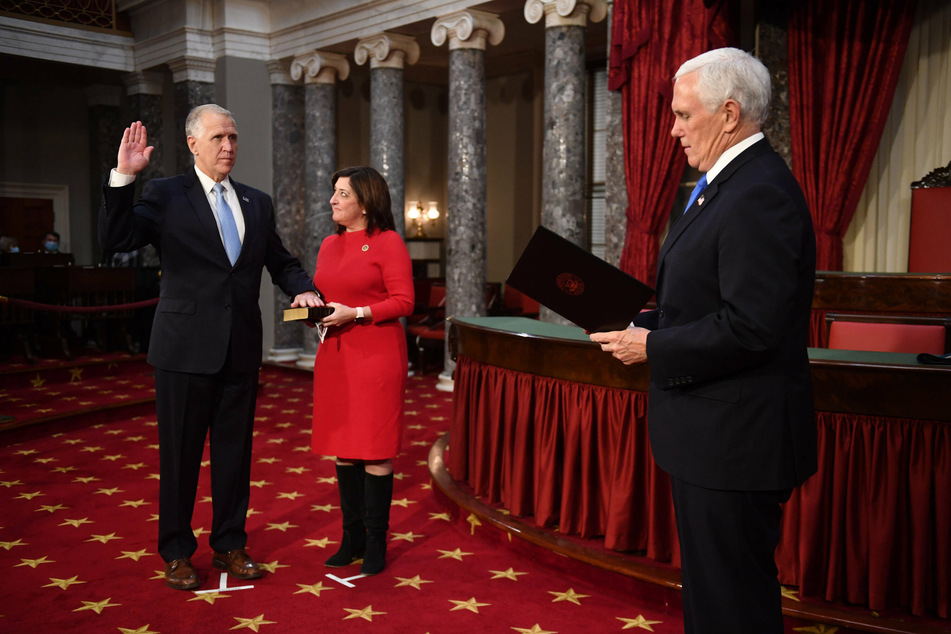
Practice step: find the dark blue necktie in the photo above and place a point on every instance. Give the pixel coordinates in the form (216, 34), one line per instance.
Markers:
(229, 230)
(699, 187)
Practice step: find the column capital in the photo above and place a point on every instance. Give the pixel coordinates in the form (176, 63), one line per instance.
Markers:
(565, 12)
(386, 50)
(142, 83)
(279, 73)
(319, 67)
(188, 68)
(468, 29)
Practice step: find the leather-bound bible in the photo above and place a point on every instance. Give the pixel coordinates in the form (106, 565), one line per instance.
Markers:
(304, 313)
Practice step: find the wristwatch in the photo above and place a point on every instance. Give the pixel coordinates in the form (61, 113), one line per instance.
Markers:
(360, 314)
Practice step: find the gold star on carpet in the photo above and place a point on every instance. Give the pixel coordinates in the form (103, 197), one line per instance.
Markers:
(84, 480)
(134, 503)
(280, 527)
(789, 593)
(114, 432)
(105, 539)
(272, 566)
(152, 518)
(63, 469)
(251, 512)
(426, 486)
(420, 443)
(817, 628)
(269, 460)
(314, 589)
(326, 508)
(134, 438)
(413, 582)
(38, 381)
(302, 448)
(205, 463)
(568, 595)
(277, 441)
(153, 476)
(73, 441)
(366, 613)
(113, 457)
(417, 427)
(473, 523)
(639, 622)
(75, 374)
(49, 508)
(321, 543)
(44, 460)
(135, 466)
(97, 606)
(63, 583)
(260, 483)
(472, 605)
(535, 629)
(251, 624)
(283, 425)
(409, 537)
(506, 574)
(9, 545)
(33, 563)
(77, 523)
(293, 495)
(452, 554)
(133, 555)
(405, 502)
(399, 476)
(92, 448)
(209, 597)
(198, 532)
(330, 480)
(205, 499)
(108, 492)
(297, 470)
(10, 483)
(28, 496)
(440, 516)
(24, 452)
(142, 630)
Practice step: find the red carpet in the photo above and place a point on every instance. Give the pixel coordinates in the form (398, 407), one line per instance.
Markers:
(78, 524)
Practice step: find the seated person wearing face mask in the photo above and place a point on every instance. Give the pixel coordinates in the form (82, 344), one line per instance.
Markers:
(51, 242)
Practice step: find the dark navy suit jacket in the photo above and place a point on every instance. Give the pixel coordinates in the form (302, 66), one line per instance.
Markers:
(205, 304)
(730, 402)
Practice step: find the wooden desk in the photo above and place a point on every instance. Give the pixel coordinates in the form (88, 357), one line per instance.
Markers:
(549, 426)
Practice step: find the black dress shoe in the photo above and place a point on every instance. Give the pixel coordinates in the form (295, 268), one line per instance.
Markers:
(238, 564)
(180, 575)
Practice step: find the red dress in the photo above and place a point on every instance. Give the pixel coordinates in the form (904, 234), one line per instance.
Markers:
(360, 369)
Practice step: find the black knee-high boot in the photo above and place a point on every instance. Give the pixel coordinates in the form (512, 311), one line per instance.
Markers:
(379, 495)
(350, 483)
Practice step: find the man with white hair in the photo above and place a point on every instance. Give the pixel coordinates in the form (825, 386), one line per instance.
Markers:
(730, 409)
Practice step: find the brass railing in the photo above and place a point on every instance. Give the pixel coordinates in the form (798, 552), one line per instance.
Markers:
(94, 13)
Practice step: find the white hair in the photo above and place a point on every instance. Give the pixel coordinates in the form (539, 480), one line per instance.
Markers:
(193, 123)
(730, 73)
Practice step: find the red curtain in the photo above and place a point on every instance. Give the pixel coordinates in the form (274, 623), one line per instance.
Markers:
(649, 42)
(844, 63)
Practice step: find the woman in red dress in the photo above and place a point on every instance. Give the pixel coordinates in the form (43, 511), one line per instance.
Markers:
(364, 271)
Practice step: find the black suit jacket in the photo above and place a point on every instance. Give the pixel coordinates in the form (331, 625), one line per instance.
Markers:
(205, 304)
(731, 395)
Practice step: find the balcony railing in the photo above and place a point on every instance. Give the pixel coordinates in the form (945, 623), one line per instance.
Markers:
(91, 13)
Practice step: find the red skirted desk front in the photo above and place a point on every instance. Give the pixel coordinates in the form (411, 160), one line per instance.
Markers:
(548, 425)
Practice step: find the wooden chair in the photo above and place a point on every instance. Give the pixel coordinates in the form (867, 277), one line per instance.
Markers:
(889, 333)
(426, 328)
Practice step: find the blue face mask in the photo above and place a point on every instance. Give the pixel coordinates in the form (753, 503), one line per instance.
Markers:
(51, 246)
(14, 249)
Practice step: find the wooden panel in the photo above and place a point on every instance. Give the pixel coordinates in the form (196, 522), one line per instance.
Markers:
(883, 293)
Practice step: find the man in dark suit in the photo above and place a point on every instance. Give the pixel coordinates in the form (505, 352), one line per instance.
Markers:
(730, 407)
(206, 341)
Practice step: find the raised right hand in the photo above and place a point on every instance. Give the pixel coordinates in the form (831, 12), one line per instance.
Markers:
(134, 152)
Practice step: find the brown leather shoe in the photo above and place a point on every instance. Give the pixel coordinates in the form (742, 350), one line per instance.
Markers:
(180, 575)
(238, 564)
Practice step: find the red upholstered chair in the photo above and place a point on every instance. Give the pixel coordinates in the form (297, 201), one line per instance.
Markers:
(514, 302)
(887, 336)
(426, 328)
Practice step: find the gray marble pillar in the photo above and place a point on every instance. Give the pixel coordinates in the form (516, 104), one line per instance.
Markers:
(194, 81)
(144, 97)
(102, 103)
(387, 53)
(467, 33)
(287, 143)
(615, 186)
(563, 152)
(320, 72)
(771, 50)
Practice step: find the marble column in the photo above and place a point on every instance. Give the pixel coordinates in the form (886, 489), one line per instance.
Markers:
(287, 143)
(468, 33)
(194, 81)
(563, 152)
(144, 96)
(615, 185)
(102, 103)
(387, 53)
(771, 50)
(319, 71)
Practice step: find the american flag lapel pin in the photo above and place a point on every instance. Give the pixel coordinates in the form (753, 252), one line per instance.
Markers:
(700, 200)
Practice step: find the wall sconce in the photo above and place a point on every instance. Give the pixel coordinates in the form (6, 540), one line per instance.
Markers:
(418, 214)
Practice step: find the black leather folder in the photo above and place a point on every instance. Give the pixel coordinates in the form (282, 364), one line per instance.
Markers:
(576, 284)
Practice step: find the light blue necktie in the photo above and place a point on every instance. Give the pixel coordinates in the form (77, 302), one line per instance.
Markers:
(229, 230)
(699, 187)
